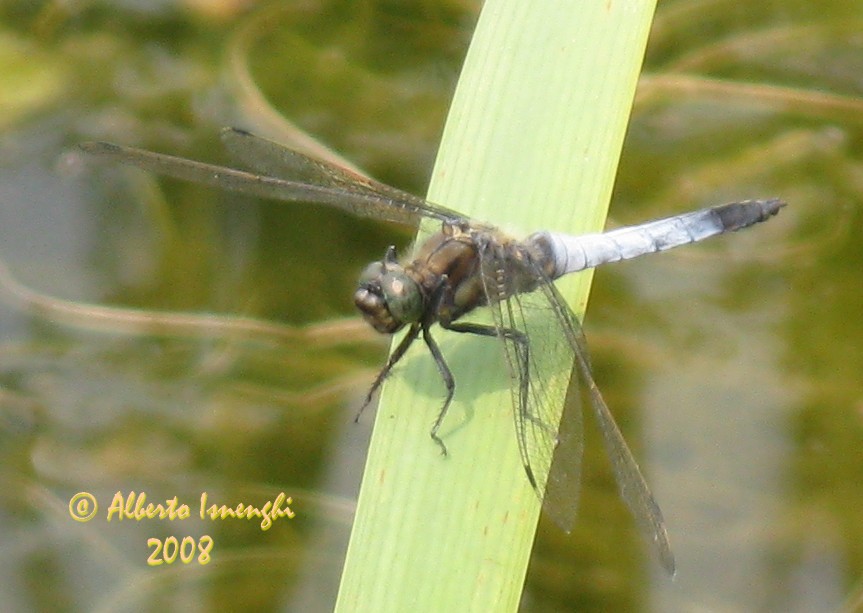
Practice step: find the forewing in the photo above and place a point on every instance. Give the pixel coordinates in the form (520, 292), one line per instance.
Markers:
(276, 160)
(364, 203)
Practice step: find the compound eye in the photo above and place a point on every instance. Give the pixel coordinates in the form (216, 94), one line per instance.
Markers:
(372, 273)
(402, 295)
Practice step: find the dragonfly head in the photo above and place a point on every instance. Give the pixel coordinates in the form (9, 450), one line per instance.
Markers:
(387, 296)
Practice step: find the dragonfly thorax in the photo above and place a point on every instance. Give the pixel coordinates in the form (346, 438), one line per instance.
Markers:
(441, 283)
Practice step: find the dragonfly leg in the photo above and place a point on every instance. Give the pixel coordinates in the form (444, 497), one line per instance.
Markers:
(396, 355)
(449, 382)
(520, 370)
(522, 351)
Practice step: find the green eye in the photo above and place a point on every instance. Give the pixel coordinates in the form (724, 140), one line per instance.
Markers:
(372, 272)
(402, 295)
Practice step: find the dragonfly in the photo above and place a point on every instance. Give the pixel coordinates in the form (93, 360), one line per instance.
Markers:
(464, 266)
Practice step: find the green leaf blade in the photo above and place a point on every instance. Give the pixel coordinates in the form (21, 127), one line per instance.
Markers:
(531, 142)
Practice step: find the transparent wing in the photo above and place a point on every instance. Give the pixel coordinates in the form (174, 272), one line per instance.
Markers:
(274, 159)
(631, 483)
(552, 460)
(522, 324)
(327, 185)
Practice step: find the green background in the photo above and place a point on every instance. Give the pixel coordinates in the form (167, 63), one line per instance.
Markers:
(733, 367)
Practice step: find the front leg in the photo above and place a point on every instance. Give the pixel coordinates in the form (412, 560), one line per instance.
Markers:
(396, 355)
